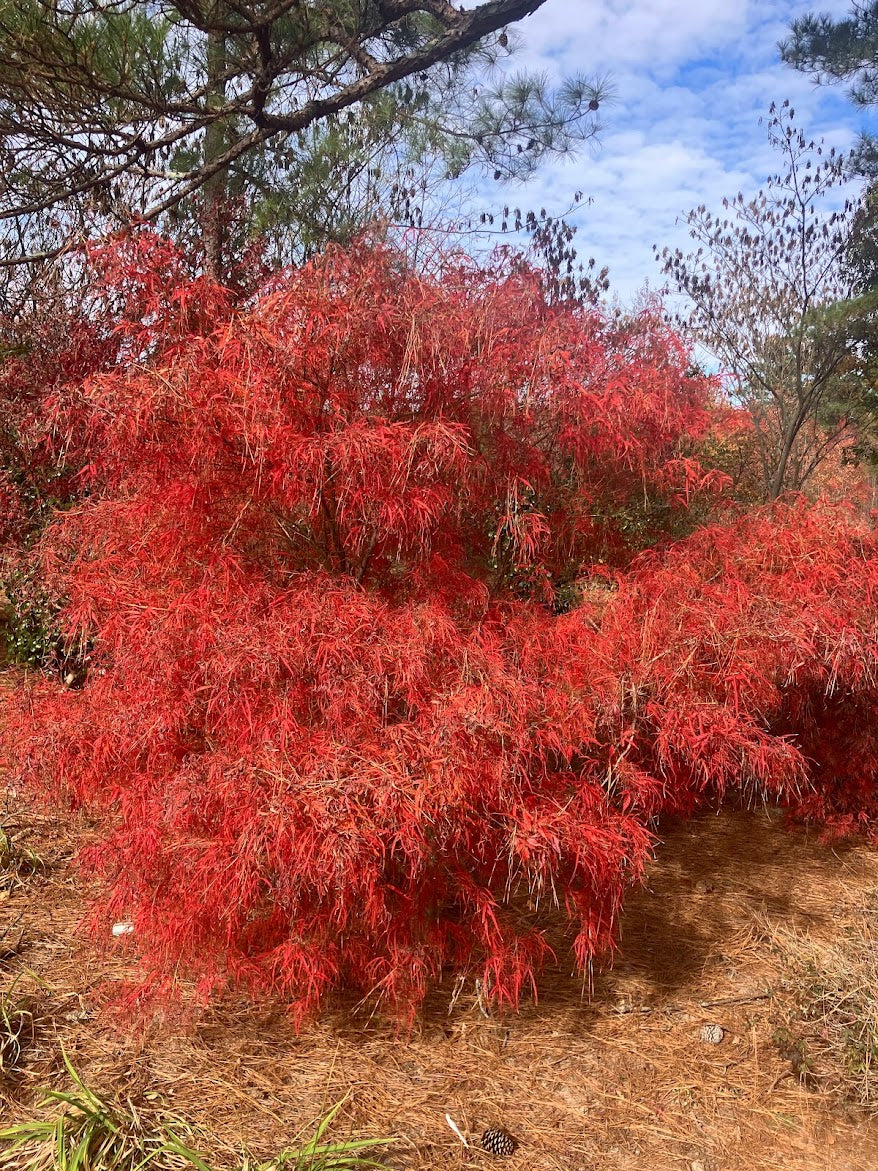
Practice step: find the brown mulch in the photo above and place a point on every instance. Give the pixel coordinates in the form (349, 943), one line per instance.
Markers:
(615, 1079)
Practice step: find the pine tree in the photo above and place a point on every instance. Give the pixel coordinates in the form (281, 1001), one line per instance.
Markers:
(270, 112)
(846, 51)
(838, 50)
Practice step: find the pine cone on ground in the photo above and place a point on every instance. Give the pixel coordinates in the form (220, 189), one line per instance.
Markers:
(498, 1142)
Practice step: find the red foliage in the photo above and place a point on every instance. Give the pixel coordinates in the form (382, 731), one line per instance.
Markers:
(129, 298)
(333, 722)
(748, 655)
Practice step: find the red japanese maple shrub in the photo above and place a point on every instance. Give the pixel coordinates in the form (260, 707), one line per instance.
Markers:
(747, 659)
(109, 307)
(332, 724)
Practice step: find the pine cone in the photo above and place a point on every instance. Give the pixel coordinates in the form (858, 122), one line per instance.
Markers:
(498, 1142)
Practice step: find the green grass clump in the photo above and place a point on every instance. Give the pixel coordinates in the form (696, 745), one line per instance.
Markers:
(88, 1134)
(16, 1029)
(83, 1132)
(16, 860)
(317, 1155)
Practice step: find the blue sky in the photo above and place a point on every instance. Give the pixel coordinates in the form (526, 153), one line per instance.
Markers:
(692, 79)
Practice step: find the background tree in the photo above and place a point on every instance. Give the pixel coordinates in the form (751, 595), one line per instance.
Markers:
(113, 113)
(838, 50)
(772, 298)
(835, 51)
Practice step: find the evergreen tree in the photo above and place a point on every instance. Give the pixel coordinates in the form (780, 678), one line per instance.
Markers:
(265, 113)
(838, 50)
(846, 51)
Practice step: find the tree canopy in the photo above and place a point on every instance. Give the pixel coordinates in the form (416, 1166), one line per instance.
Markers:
(770, 293)
(838, 50)
(121, 112)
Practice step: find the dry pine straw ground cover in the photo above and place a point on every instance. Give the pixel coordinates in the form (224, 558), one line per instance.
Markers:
(739, 912)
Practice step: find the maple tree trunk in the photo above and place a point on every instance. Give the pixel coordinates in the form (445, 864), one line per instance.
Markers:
(776, 487)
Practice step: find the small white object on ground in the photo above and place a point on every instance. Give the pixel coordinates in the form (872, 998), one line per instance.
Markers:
(711, 1034)
(456, 1129)
(126, 927)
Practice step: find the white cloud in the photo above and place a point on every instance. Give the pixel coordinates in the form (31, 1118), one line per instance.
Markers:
(692, 81)
(661, 31)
